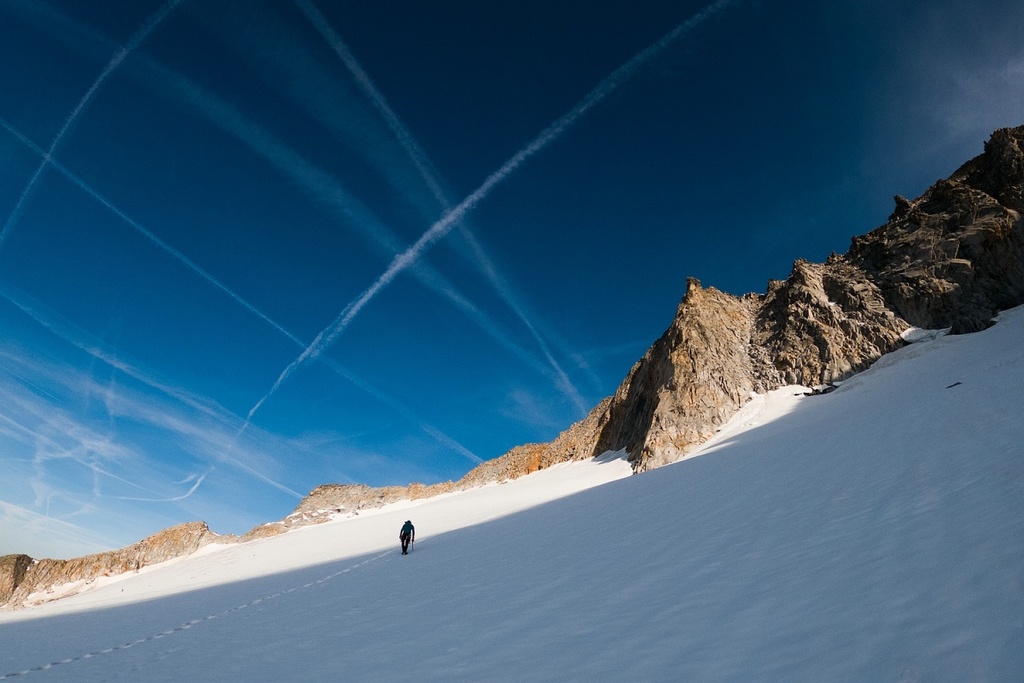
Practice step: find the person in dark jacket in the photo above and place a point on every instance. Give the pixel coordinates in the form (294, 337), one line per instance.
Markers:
(407, 536)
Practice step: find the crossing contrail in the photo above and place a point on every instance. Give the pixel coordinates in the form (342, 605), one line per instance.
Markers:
(140, 35)
(425, 169)
(95, 349)
(429, 429)
(315, 181)
(398, 129)
(441, 437)
(319, 184)
(444, 225)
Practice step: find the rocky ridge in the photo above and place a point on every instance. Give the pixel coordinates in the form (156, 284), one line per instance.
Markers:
(24, 580)
(951, 258)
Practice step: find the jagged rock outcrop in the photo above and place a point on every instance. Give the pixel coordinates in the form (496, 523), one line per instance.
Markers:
(823, 323)
(12, 574)
(323, 502)
(575, 443)
(998, 170)
(21, 576)
(955, 256)
(328, 499)
(689, 382)
(951, 258)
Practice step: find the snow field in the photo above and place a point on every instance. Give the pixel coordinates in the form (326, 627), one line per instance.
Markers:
(874, 533)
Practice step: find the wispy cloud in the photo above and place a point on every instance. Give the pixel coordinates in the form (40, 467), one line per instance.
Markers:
(66, 331)
(982, 98)
(98, 352)
(59, 463)
(523, 407)
(192, 478)
(48, 434)
(210, 438)
(132, 463)
(948, 84)
(442, 227)
(318, 183)
(27, 531)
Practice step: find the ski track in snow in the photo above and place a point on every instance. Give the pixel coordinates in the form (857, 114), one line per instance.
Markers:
(194, 622)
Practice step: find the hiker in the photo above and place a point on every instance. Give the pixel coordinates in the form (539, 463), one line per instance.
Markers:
(407, 535)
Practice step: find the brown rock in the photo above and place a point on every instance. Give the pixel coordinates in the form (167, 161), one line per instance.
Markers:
(688, 383)
(12, 573)
(39, 575)
(951, 258)
(824, 323)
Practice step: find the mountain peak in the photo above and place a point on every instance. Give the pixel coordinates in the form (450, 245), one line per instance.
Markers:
(951, 258)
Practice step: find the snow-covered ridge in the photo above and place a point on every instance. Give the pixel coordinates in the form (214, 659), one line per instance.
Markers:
(952, 257)
(872, 533)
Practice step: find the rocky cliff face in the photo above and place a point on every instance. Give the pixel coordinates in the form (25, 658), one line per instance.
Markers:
(823, 323)
(690, 381)
(951, 258)
(954, 256)
(21, 576)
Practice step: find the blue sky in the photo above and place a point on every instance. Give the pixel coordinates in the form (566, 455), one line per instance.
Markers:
(226, 271)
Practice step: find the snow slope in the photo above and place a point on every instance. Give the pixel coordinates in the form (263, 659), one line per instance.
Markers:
(872, 534)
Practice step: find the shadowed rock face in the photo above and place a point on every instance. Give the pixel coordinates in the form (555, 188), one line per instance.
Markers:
(951, 258)
(998, 171)
(12, 574)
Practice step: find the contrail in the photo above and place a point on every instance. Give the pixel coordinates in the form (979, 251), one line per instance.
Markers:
(398, 129)
(168, 500)
(95, 350)
(429, 429)
(147, 27)
(190, 400)
(425, 168)
(440, 436)
(315, 181)
(442, 227)
(322, 187)
(85, 187)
